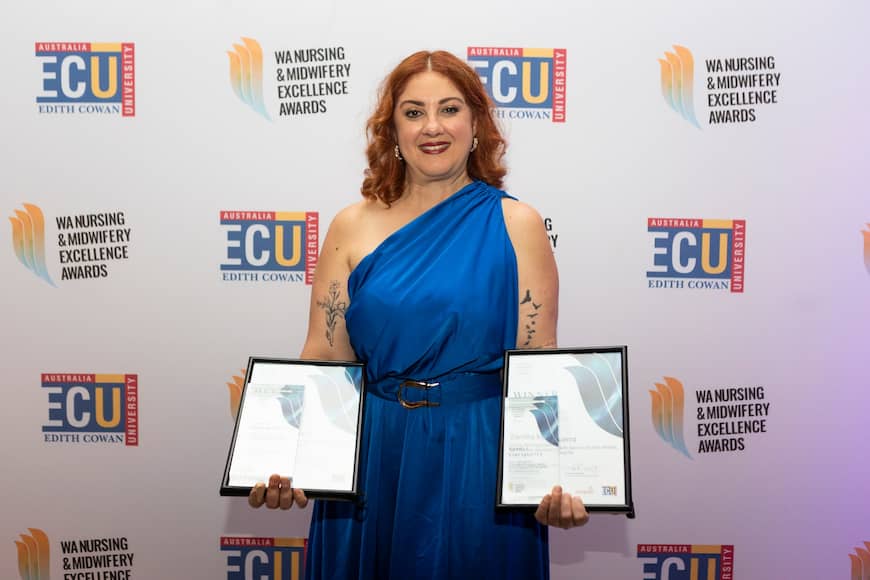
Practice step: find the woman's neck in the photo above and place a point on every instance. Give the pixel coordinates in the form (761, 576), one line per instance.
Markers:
(428, 194)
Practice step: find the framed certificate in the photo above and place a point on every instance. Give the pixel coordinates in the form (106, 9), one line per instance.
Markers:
(565, 422)
(298, 418)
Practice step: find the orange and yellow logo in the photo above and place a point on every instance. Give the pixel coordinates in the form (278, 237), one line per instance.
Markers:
(668, 402)
(246, 74)
(867, 247)
(33, 555)
(28, 240)
(235, 388)
(861, 563)
(678, 77)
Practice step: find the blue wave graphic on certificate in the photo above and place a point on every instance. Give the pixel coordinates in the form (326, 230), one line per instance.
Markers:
(339, 391)
(292, 398)
(546, 413)
(599, 380)
(353, 375)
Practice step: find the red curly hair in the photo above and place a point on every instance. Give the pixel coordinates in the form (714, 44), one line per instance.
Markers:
(385, 176)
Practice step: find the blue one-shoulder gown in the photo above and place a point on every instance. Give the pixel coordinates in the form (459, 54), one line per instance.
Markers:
(435, 302)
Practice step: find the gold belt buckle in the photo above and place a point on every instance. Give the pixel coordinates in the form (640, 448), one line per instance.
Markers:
(416, 385)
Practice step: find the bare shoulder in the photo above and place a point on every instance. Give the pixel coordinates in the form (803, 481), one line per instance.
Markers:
(348, 217)
(354, 218)
(348, 232)
(524, 223)
(362, 226)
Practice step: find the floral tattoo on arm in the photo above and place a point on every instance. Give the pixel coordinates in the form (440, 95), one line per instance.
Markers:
(334, 308)
(529, 313)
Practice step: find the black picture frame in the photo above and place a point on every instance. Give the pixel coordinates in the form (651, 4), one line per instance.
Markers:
(227, 489)
(627, 507)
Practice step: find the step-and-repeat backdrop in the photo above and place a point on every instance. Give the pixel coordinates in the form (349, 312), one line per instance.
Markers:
(169, 171)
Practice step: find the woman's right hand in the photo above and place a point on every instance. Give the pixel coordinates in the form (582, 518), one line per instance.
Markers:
(278, 494)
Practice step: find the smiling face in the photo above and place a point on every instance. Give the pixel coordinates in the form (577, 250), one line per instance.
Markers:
(434, 129)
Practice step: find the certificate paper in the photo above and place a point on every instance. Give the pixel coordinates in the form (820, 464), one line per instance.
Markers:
(531, 452)
(301, 419)
(564, 422)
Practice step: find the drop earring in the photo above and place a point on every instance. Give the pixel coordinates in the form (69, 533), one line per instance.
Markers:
(398, 154)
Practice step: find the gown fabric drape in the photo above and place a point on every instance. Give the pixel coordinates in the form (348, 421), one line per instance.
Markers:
(435, 302)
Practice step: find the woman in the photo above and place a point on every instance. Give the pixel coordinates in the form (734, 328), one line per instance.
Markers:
(428, 280)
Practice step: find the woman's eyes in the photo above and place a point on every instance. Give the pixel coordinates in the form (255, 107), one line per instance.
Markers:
(447, 110)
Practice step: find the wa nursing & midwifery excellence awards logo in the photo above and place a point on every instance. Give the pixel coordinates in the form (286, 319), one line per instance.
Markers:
(300, 81)
(269, 246)
(725, 418)
(92, 408)
(87, 245)
(734, 87)
(107, 558)
(264, 558)
(89, 78)
(524, 83)
(695, 253)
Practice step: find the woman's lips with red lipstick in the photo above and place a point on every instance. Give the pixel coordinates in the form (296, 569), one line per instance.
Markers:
(434, 147)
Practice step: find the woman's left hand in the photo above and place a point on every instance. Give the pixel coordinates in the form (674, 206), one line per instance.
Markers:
(561, 510)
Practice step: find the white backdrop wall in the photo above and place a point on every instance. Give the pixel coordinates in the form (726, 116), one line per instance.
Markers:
(791, 502)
